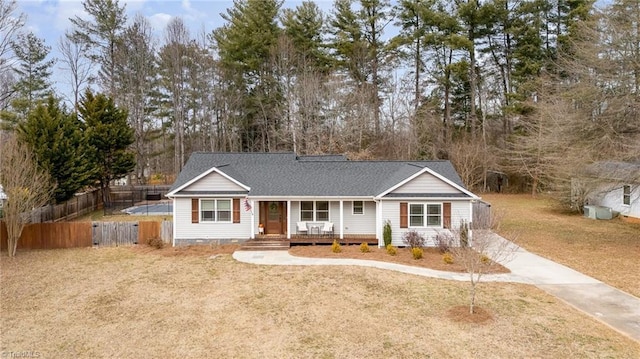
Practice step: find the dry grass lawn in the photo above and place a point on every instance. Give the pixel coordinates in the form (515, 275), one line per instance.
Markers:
(606, 250)
(136, 303)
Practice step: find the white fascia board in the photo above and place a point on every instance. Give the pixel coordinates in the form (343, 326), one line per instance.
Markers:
(435, 174)
(217, 195)
(204, 174)
(416, 199)
(345, 198)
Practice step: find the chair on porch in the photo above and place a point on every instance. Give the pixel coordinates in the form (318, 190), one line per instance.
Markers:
(301, 228)
(327, 230)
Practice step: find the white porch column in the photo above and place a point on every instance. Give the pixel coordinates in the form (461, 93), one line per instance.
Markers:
(288, 219)
(252, 235)
(173, 234)
(470, 223)
(379, 223)
(341, 219)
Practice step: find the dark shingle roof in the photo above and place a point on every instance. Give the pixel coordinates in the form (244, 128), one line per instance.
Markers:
(285, 174)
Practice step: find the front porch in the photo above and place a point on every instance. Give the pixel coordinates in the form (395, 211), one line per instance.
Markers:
(314, 221)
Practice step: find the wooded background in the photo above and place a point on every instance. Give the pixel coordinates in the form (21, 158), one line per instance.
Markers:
(527, 90)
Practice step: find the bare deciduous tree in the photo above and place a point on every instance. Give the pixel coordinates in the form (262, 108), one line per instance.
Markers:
(78, 66)
(10, 24)
(472, 159)
(26, 185)
(479, 252)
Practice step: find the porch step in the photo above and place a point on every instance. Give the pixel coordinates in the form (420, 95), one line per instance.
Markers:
(265, 245)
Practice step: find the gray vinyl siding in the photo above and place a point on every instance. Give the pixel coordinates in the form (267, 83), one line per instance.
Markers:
(214, 181)
(426, 183)
(354, 224)
(360, 223)
(391, 211)
(334, 215)
(187, 232)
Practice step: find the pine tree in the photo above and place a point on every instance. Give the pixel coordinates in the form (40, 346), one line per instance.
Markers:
(33, 72)
(304, 27)
(245, 45)
(102, 34)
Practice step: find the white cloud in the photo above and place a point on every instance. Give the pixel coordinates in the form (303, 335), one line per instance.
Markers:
(186, 4)
(159, 21)
(65, 10)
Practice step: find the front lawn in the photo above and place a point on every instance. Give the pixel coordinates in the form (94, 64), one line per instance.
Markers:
(135, 303)
(606, 250)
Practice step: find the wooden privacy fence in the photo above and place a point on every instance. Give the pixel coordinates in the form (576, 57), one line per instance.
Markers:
(51, 235)
(87, 234)
(79, 205)
(481, 215)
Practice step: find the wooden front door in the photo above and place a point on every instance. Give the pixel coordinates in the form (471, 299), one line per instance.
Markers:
(276, 219)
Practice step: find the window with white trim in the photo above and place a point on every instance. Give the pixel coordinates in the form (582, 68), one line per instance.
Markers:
(358, 207)
(215, 210)
(314, 211)
(425, 215)
(306, 211)
(626, 195)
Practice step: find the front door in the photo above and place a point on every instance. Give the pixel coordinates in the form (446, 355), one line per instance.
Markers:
(276, 217)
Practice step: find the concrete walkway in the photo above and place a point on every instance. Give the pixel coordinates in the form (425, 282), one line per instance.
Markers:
(617, 309)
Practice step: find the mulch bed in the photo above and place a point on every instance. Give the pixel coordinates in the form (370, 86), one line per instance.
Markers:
(432, 258)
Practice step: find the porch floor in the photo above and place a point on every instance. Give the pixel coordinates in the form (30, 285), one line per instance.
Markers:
(318, 239)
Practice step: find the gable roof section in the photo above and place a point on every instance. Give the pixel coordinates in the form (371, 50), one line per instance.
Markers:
(174, 190)
(456, 184)
(285, 174)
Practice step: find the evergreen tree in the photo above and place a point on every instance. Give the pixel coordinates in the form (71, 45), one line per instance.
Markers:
(102, 34)
(55, 138)
(361, 50)
(108, 137)
(245, 45)
(33, 71)
(410, 41)
(304, 26)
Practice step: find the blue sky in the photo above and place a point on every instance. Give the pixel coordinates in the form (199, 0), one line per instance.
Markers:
(49, 19)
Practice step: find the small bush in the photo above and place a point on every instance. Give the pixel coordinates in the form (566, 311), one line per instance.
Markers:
(485, 259)
(364, 247)
(335, 247)
(391, 250)
(386, 233)
(443, 241)
(417, 253)
(413, 239)
(464, 234)
(447, 258)
(156, 243)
